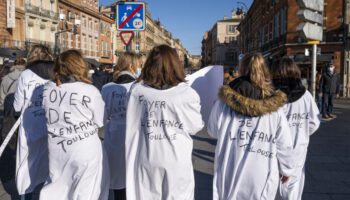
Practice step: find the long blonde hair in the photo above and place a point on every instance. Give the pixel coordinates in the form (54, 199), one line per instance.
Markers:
(254, 67)
(71, 64)
(125, 61)
(39, 52)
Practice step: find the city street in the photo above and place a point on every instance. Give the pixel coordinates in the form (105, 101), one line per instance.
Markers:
(327, 167)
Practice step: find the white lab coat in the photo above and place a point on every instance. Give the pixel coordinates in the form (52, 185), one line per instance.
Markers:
(77, 163)
(251, 152)
(303, 119)
(31, 155)
(115, 97)
(158, 142)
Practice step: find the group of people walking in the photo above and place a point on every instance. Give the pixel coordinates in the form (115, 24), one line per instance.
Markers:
(262, 122)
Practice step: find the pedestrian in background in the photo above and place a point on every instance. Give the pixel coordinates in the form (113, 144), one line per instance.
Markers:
(78, 167)
(303, 118)
(253, 137)
(115, 96)
(330, 86)
(101, 77)
(31, 155)
(318, 89)
(8, 159)
(9, 81)
(163, 112)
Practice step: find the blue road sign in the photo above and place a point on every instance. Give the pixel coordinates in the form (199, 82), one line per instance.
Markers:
(131, 16)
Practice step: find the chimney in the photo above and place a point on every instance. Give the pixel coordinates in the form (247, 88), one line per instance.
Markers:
(225, 17)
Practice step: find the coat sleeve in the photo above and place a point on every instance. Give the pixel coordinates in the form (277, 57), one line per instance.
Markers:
(2, 94)
(213, 120)
(338, 85)
(98, 109)
(105, 95)
(192, 117)
(284, 146)
(314, 117)
(19, 95)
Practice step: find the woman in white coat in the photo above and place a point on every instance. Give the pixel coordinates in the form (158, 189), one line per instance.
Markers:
(254, 144)
(115, 96)
(163, 112)
(78, 168)
(303, 118)
(31, 155)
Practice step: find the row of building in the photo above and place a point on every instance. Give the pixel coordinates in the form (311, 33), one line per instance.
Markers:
(23, 23)
(270, 27)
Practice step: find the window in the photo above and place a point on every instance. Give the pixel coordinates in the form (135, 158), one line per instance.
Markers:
(276, 25)
(84, 21)
(30, 31)
(231, 28)
(137, 46)
(42, 34)
(284, 20)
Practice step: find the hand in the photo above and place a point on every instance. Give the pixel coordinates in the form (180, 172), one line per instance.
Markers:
(284, 179)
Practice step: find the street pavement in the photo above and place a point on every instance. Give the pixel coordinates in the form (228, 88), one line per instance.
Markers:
(327, 165)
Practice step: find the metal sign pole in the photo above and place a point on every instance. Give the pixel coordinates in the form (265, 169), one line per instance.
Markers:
(314, 64)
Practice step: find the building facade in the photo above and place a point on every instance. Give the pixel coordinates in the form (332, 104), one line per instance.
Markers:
(106, 45)
(270, 26)
(12, 36)
(94, 35)
(41, 19)
(219, 45)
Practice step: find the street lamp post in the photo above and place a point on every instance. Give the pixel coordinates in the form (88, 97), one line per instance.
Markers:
(240, 9)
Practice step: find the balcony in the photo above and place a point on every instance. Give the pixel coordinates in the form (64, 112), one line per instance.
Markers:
(105, 54)
(32, 9)
(41, 12)
(6, 43)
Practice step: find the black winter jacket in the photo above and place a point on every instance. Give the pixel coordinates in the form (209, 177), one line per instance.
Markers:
(330, 83)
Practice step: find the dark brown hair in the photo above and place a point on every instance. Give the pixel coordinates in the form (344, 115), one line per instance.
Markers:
(286, 68)
(71, 63)
(162, 68)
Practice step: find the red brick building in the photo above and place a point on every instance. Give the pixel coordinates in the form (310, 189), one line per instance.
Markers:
(270, 27)
(90, 38)
(106, 54)
(12, 37)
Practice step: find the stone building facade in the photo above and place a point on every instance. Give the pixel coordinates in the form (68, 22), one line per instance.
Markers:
(219, 45)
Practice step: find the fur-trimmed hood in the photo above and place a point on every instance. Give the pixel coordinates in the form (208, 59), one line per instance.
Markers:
(249, 106)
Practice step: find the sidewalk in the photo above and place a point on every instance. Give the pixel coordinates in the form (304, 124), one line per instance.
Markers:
(328, 161)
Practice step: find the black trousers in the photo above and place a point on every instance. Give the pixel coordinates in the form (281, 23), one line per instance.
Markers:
(327, 104)
(120, 194)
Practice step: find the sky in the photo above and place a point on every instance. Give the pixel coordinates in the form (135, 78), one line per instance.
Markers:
(189, 19)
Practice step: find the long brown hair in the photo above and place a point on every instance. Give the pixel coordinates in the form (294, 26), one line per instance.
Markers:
(162, 68)
(125, 62)
(71, 64)
(286, 68)
(254, 67)
(39, 52)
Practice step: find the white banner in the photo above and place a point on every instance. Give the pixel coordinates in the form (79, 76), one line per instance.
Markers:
(11, 12)
(207, 83)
